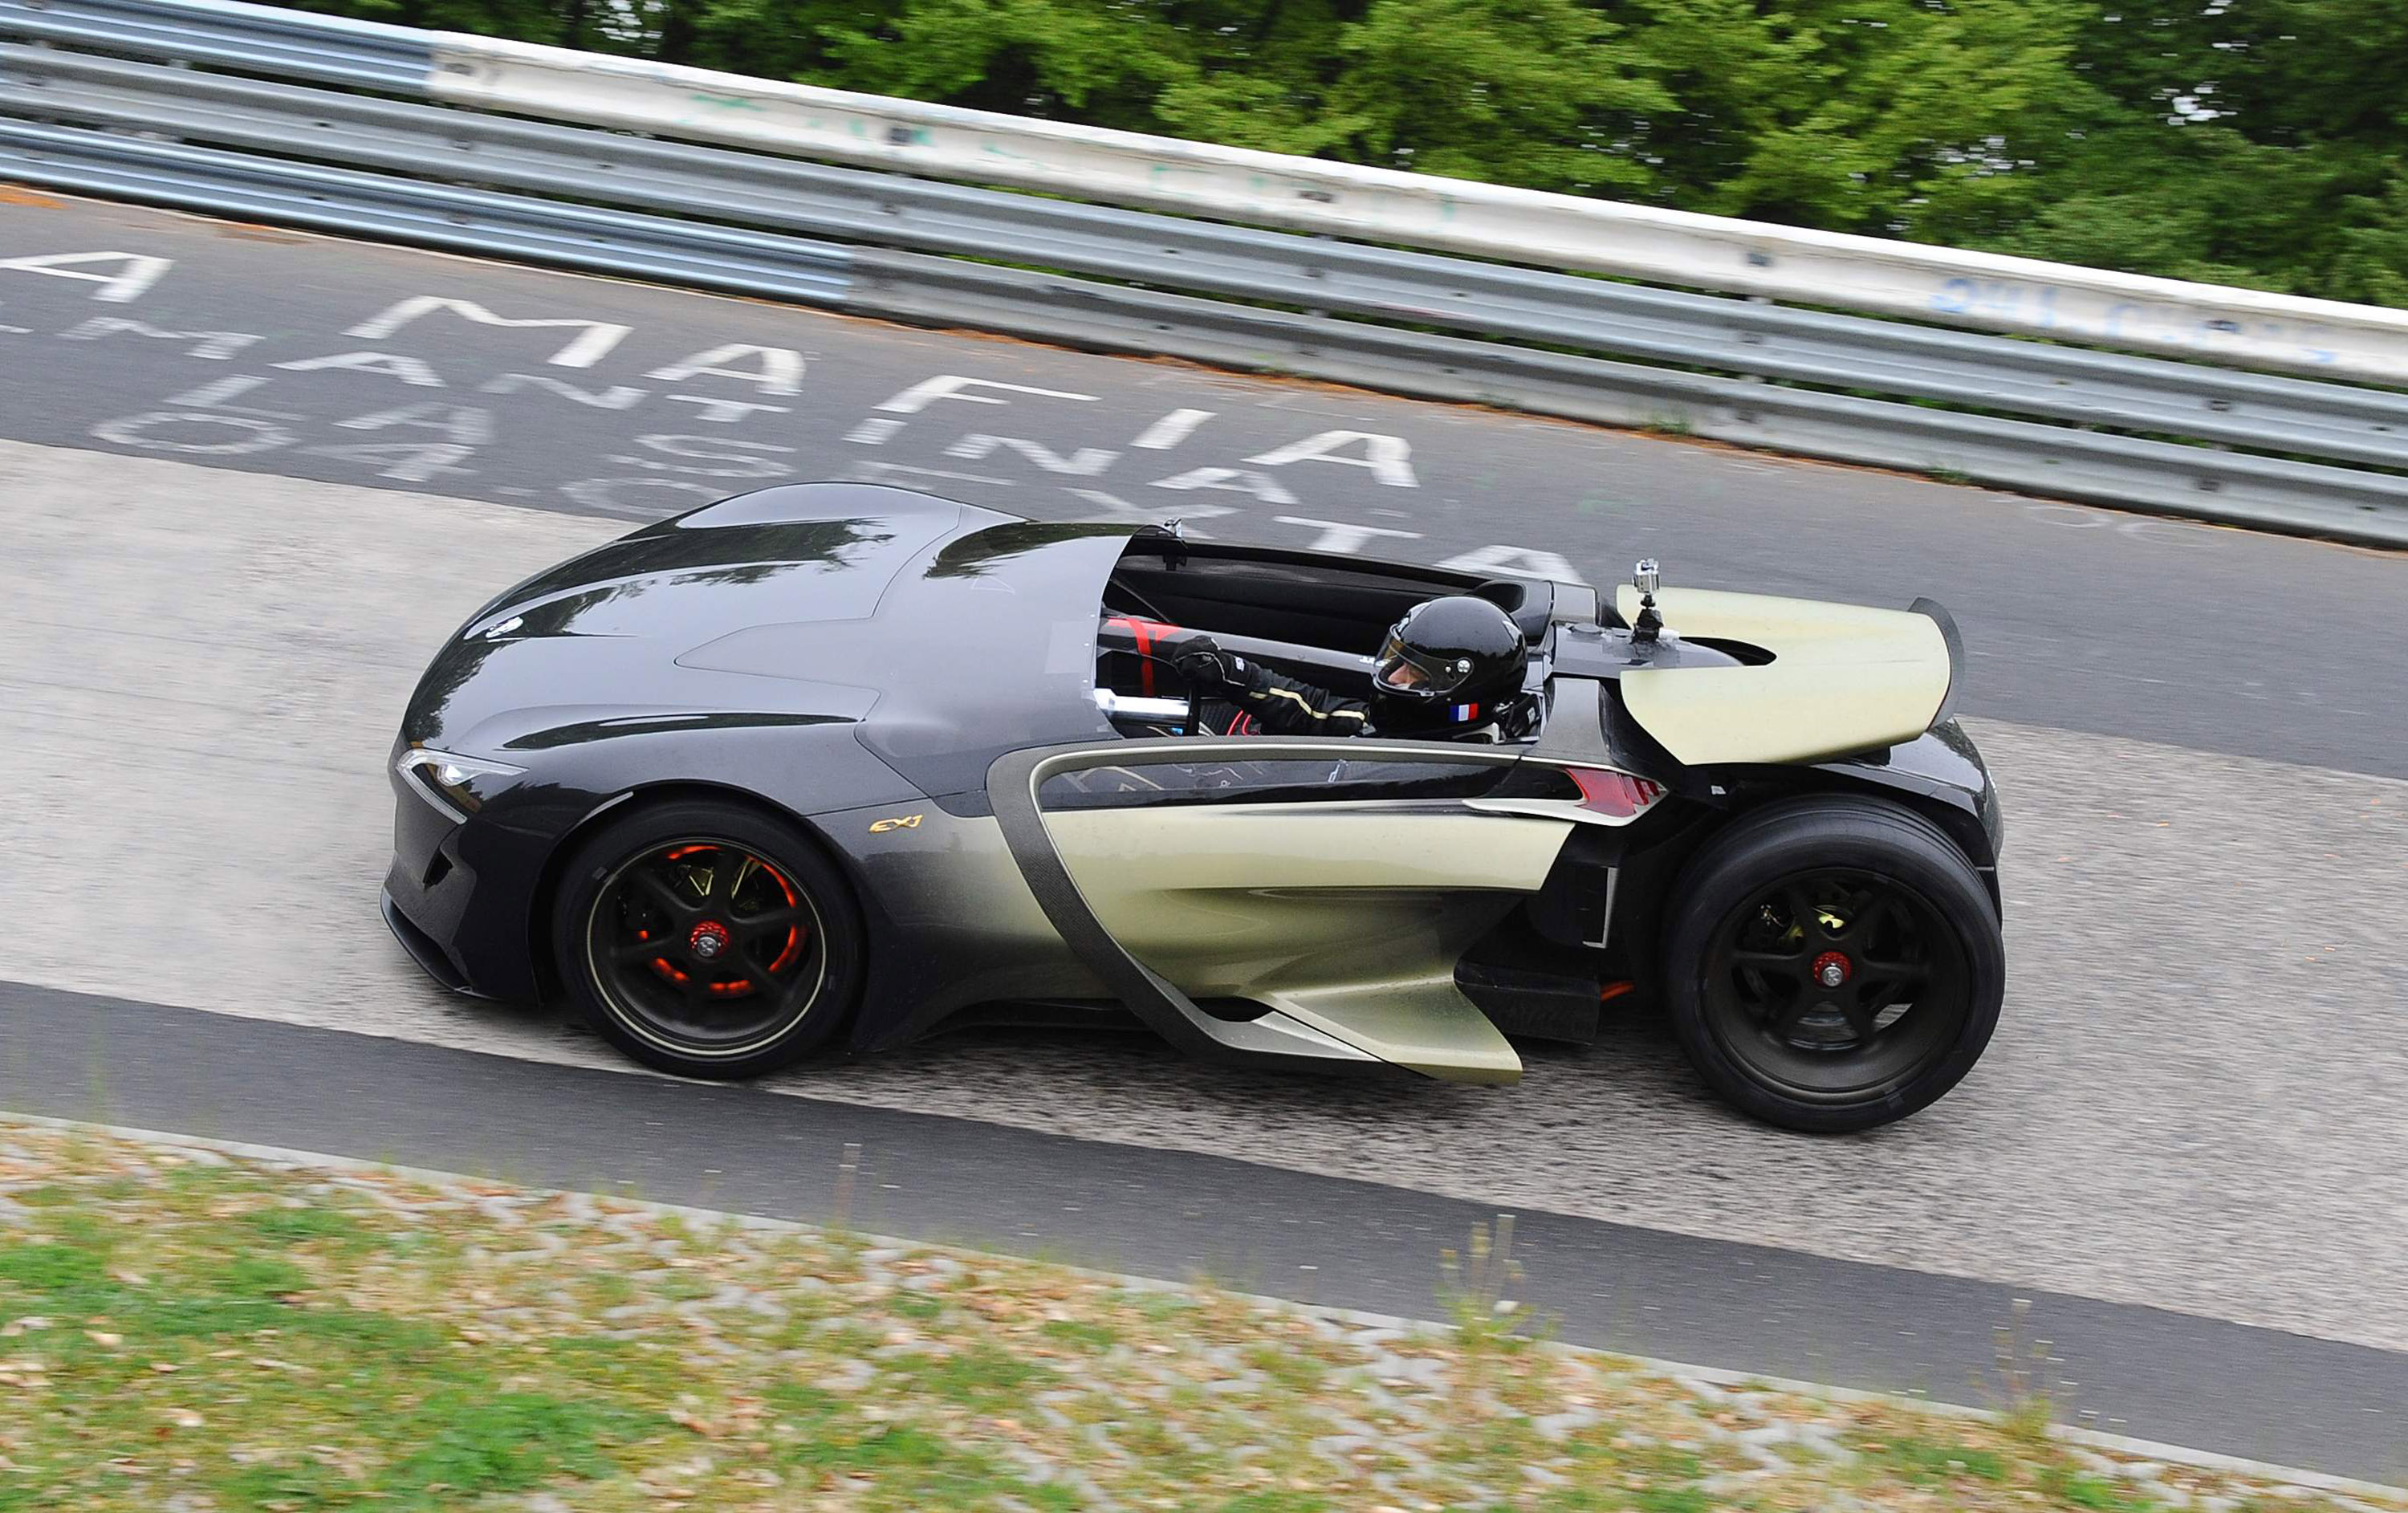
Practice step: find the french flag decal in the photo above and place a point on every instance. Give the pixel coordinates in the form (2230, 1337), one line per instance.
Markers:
(1461, 713)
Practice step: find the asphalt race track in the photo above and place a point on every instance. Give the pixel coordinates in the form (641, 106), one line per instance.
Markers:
(266, 350)
(249, 484)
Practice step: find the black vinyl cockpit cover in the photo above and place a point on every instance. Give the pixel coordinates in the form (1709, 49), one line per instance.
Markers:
(945, 633)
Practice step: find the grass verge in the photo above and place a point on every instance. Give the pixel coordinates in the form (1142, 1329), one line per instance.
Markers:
(186, 1331)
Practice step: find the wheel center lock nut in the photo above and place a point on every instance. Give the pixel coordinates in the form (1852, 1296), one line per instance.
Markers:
(708, 939)
(1832, 969)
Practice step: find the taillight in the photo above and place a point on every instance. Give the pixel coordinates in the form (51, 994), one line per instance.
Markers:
(1617, 796)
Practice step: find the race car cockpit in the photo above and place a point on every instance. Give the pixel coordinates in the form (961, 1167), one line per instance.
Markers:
(1277, 628)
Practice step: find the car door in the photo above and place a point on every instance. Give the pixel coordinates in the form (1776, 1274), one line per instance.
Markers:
(1283, 897)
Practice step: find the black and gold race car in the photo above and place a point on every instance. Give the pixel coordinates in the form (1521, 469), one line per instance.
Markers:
(835, 764)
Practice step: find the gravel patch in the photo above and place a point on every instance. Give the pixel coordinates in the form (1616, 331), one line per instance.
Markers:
(261, 1332)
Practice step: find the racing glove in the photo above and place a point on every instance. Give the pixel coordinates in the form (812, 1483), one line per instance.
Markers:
(1208, 669)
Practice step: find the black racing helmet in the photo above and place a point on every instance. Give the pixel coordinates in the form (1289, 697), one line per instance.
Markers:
(1450, 652)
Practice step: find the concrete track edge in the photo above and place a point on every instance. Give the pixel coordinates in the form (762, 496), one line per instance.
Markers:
(1751, 1312)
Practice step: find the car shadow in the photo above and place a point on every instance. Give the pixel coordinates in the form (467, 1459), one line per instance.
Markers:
(1087, 1077)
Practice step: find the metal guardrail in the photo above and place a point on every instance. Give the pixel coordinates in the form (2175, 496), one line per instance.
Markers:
(329, 49)
(2239, 409)
(1943, 285)
(1401, 309)
(1494, 221)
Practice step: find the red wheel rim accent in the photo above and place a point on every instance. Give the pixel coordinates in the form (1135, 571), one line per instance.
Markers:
(683, 934)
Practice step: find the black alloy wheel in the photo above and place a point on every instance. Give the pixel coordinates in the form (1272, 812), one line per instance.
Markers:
(1838, 982)
(706, 939)
(1836, 964)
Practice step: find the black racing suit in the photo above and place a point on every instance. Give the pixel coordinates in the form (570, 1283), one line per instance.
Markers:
(1239, 697)
(1264, 703)
(1267, 703)
(1246, 698)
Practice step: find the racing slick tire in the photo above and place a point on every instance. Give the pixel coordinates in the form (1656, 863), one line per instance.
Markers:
(707, 938)
(1833, 963)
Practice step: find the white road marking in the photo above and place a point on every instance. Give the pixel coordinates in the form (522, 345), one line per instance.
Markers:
(1085, 463)
(133, 277)
(873, 432)
(749, 459)
(464, 425)
(2076, 518)
(409, 370)
(1170, 430)
(211, 345)
(928, 391)
(135, 431)
(404, 462)
(727, 411)
(593, 343)
(1118, 506)
(1388, 458)
(219, 393)
(618, 396)
(2189, 533)
(1515, 561)
(876, 471)
(607, 494)
(780, 369)
(1239, 480)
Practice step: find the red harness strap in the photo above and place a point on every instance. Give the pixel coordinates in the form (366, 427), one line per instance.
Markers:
(1144, 633)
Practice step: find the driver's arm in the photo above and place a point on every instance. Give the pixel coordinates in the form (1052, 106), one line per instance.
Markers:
(1286, 706)
(1278, 705)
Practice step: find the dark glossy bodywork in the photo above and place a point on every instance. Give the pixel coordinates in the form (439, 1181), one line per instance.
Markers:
(845, 652)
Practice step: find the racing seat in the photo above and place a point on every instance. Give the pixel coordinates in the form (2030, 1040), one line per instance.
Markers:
(1530, 602)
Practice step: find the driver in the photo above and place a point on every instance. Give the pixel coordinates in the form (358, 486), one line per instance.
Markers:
(1451, 669)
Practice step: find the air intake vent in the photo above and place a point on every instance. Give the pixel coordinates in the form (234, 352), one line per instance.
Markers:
(1617, 796)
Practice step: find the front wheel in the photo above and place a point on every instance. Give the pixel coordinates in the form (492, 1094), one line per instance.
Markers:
(707, 938)
(1833, 963)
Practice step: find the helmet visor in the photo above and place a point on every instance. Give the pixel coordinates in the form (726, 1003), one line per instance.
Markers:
(1418, 674)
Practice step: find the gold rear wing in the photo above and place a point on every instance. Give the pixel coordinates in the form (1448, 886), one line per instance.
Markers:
(1840, 678)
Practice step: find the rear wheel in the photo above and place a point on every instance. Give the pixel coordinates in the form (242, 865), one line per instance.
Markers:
(1833, 963)
(707, 938)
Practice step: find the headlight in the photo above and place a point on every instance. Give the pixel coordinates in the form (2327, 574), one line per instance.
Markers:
(448, 781)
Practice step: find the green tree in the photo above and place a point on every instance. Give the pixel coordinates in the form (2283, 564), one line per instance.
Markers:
(1536, 93)
(1101, 63)
(2260, 143)
(2252, 141)
(1858, 115)
(1264, 71)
